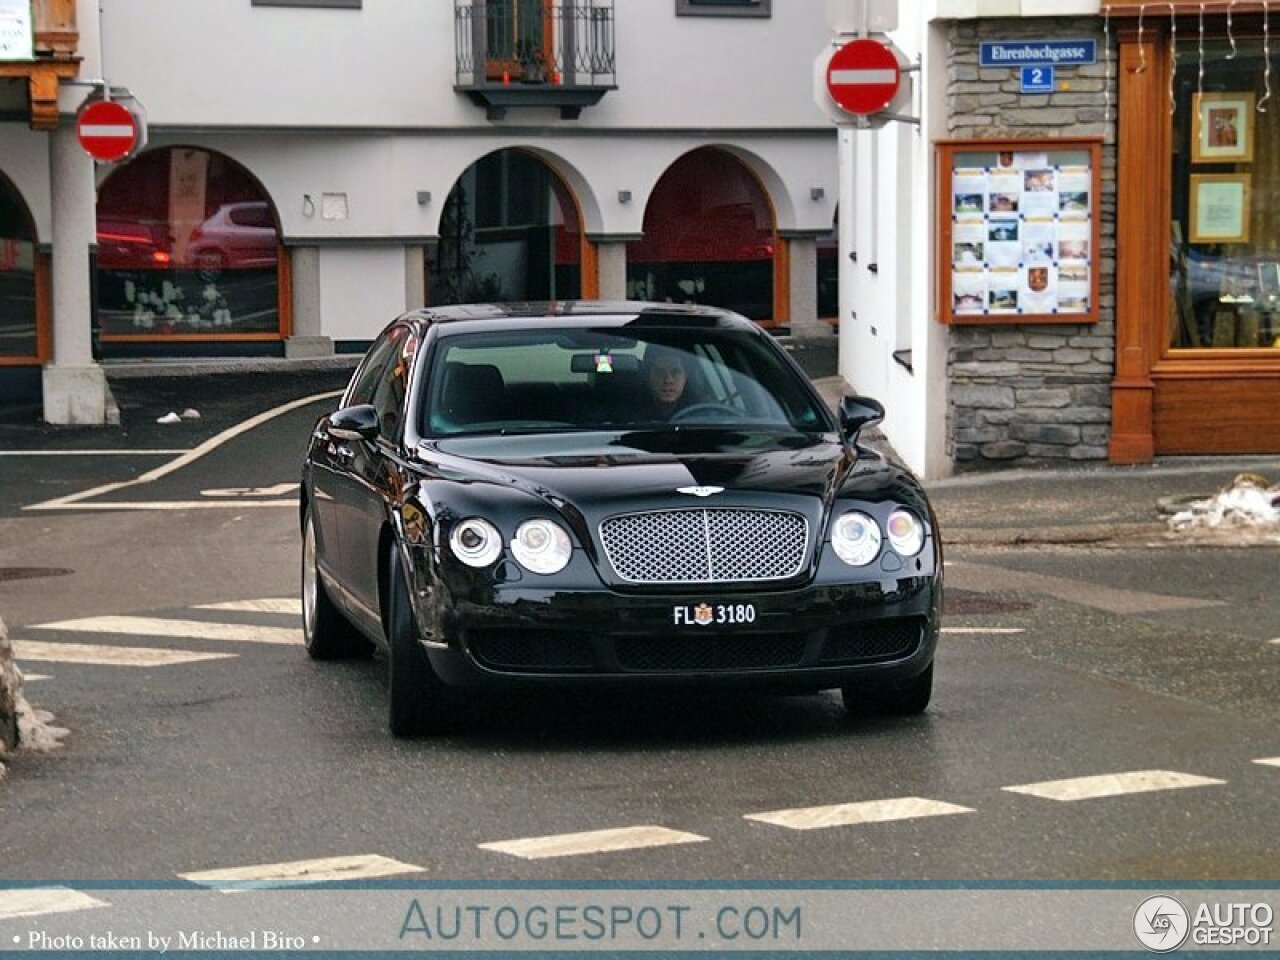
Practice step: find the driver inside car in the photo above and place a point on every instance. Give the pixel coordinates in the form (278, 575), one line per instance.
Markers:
(665, 377)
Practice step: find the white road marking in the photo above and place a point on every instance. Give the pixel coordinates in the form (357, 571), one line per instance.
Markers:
(33, 677)
(300, 872)
(850, 814)
(265, 605)
(1112, 785)
(593, 841)
(108, 656)
(74, 501)
(995, 630)
(92, 453)
(42, 900)
(167, 505)
(1269, 761)
(277, 490)
(198, 629)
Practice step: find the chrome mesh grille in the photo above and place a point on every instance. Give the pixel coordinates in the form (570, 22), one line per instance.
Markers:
(705, 546)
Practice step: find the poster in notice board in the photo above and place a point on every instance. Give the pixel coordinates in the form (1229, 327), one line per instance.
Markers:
(1019, 231)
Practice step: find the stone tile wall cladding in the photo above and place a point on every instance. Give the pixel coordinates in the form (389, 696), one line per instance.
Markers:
(1026, 393)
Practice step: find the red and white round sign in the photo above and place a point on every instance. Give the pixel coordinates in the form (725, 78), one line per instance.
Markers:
(107, 130)
(863, 76)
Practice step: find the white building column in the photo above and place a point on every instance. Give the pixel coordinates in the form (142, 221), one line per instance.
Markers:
(306, 339)
(74, 385)
(611, 260)
(803, 283)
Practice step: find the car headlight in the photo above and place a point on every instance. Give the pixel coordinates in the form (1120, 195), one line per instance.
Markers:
(856, 538)
(476, 542)
(542, 546)
(906, 533)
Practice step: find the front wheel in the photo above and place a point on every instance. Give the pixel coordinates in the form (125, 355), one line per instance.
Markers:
(904, 701)
(418, 701)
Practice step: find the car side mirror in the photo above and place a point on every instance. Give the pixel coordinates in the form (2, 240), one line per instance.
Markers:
(355, 423)
(859, 412)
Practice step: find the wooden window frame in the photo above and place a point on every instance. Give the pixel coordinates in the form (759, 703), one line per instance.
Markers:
(945, 152)
(44, 316)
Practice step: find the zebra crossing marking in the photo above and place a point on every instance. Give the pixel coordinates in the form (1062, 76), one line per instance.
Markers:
(39, 901)
(981, 630)
(189, 629)
(265, 605)
(296, 872)
(1112, 785)
(107, 655)
(591, 841)
(1269, 761)
(852, 814)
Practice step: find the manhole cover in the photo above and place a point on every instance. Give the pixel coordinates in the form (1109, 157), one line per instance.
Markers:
(31, 573)
(969, 602)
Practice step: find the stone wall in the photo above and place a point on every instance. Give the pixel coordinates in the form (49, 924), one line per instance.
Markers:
(1034, 393)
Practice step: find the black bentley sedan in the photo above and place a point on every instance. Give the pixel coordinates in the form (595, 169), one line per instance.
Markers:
(610, 493)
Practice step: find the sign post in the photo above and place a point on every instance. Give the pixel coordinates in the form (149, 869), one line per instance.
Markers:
(107, 130)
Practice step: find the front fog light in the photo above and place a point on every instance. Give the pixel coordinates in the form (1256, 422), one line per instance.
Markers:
(542, 546)
(476, 542)
(855, 538)
(906, 533)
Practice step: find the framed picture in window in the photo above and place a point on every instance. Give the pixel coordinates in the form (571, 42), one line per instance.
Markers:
(1222, 128)
(1219, 208)
(1269, 281)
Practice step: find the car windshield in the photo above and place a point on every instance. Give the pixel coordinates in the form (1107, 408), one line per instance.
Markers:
(574, 379)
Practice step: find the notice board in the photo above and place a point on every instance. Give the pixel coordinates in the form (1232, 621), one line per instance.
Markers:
(1019, 230)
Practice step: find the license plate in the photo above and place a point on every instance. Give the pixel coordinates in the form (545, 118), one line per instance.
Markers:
(714, 614)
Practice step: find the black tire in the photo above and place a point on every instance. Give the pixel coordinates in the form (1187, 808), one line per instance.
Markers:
(418, 702)
(904, 701)
(325, 631)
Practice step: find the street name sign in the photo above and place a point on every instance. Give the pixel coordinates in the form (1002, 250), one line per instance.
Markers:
(1022, 53)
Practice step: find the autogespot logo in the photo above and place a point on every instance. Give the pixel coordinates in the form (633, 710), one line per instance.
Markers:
(1161, 924)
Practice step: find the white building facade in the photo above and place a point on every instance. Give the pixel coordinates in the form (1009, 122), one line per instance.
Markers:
(315, 167)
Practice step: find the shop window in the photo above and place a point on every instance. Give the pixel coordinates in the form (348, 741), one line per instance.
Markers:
(1225, 230)
(723, 8)
(20, 320)
(509, 231)
(187, 246)
(708, 238)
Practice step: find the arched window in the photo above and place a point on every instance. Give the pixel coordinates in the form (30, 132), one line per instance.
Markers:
(708, 237)
(510, 231)
(21, 323)
(188, 247)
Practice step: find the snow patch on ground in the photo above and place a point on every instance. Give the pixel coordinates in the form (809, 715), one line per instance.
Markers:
(1247, 504)
(35, 727)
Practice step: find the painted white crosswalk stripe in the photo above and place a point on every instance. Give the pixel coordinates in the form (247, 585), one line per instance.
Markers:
(852, 814)
(34, 677)
(980, 630)
(107, 655)
(1269, 761)
(592, 841)
(190, 629)
(41, 900)
(265, 605)
(1113, 785)
(296, 872)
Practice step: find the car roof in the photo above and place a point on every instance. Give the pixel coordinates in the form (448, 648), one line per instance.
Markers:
(476, 316)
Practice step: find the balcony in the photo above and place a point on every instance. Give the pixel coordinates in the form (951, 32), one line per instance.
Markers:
(534, 53)
(56, 42)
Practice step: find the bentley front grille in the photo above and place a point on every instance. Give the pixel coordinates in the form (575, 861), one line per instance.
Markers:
(705, 546)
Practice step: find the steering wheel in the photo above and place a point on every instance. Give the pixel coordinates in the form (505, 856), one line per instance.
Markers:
(696, 410)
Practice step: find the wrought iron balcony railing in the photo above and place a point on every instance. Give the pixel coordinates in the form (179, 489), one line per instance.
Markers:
(534, 53)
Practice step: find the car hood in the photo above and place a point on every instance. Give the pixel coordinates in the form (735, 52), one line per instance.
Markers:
(648, 468)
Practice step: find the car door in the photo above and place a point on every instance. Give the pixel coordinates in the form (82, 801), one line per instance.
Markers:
(375, 471)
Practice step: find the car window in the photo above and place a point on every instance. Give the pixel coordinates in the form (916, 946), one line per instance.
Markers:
(555, 380)
(365, 380)
(389, 395)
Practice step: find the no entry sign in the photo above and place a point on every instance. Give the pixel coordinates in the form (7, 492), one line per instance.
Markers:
(107, 130)
(863, 77)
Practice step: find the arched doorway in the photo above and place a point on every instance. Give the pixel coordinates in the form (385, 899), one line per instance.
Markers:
(708, 238)
(188, 249)
(510, 231)
(23, 304)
